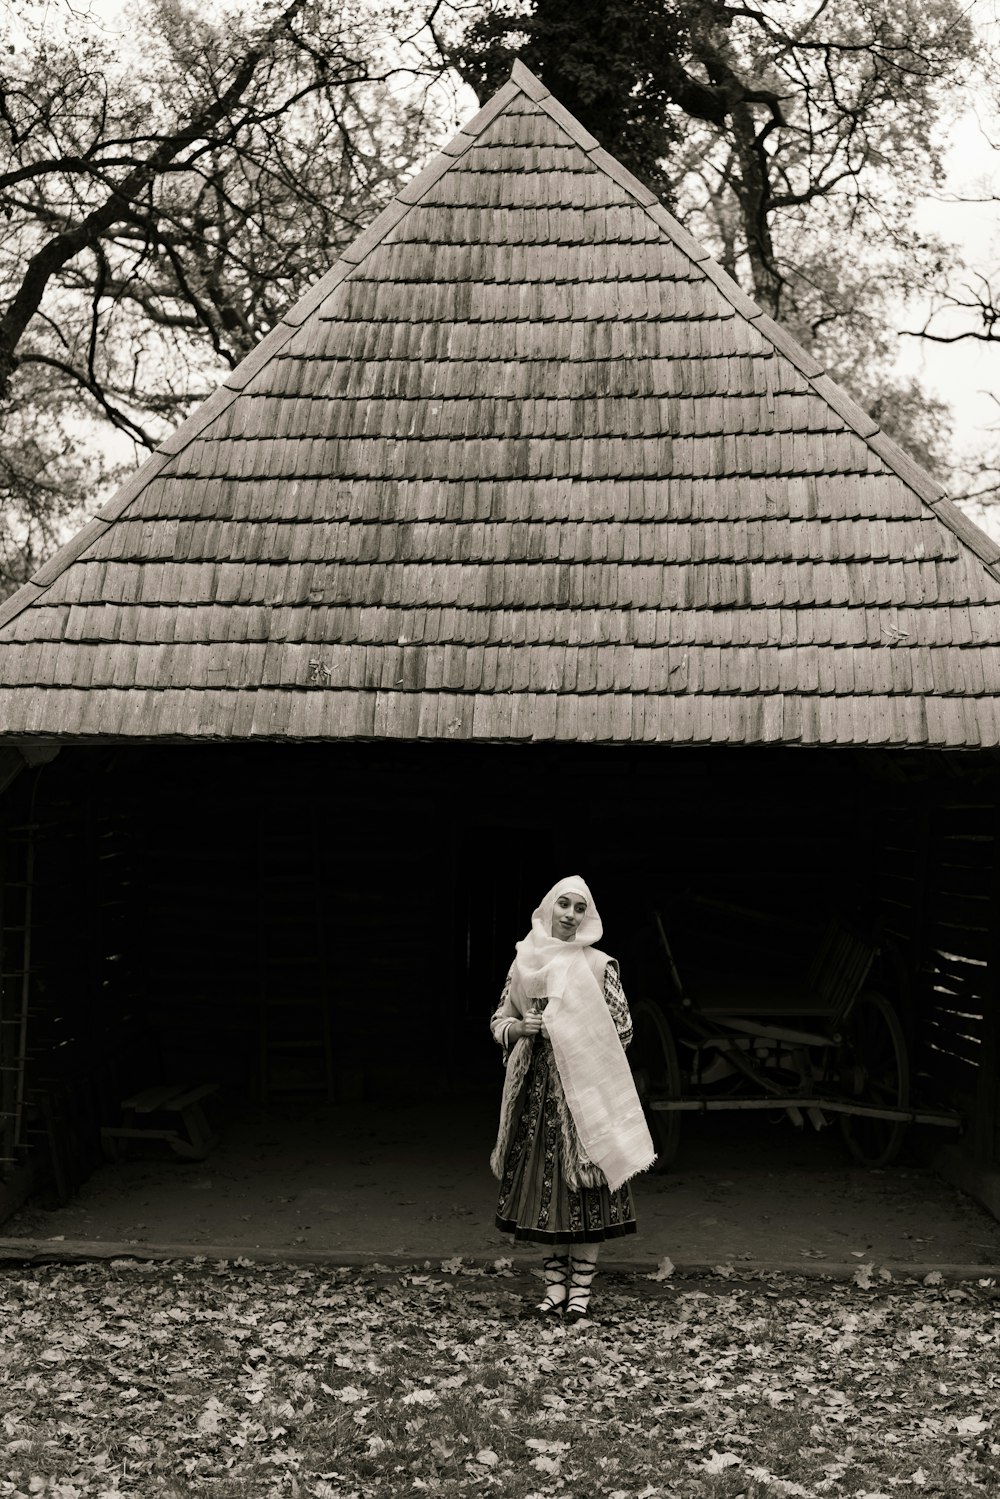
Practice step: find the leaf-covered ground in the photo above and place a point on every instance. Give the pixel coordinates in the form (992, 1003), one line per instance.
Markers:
(234, 1380)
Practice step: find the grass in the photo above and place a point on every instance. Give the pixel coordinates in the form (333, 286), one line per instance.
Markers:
(244, 1382)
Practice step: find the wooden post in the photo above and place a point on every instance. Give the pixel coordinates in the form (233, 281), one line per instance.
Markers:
(985, 1135)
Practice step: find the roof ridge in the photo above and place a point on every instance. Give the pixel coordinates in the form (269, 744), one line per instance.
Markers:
(236, 382)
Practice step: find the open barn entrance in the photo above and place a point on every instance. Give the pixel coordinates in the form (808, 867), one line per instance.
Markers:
(323, 931)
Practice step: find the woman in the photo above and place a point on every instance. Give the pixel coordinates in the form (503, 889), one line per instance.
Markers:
(572, 1131)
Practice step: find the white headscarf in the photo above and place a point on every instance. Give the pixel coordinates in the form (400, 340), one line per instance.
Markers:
(543, 961)
(595, 1075)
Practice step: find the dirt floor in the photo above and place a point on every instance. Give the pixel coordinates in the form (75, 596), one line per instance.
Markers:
(415, 1182)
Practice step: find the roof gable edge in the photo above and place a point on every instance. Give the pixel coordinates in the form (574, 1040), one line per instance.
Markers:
(908, 469)
(913, 475)
(19, 601)
(973, 536)
(225, 394)
(72, 549)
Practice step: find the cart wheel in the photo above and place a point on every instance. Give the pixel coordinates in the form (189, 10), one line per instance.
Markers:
(657, 1074)
(876, 1070)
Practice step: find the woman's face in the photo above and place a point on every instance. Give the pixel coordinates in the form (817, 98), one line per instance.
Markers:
(567, 913)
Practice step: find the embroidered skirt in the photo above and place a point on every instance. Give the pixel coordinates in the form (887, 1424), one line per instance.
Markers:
(536, 1203)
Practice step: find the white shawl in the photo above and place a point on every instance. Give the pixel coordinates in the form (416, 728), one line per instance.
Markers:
(593, 1069)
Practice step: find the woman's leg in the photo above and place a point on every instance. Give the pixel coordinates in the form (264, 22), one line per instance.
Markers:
(583, 1262)
(556, 1277)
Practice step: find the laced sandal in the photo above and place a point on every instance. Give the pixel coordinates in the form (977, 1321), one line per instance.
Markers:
(578, 1300)
(556, 1276)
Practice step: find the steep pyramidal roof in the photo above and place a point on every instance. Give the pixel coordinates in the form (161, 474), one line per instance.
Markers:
(525, 464)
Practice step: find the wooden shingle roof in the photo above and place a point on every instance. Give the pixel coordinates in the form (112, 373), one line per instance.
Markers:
(524, 465)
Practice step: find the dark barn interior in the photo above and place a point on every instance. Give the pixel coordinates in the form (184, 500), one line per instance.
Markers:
(333, 923)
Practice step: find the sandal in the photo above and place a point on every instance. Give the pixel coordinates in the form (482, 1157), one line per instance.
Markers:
(556, 1276)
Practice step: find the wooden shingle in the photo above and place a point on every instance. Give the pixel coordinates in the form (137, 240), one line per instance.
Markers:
(524, 465)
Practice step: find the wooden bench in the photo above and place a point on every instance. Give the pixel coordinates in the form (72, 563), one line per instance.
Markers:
(191, 1137)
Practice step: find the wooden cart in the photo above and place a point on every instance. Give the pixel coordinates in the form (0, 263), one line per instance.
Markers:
(828, 1045)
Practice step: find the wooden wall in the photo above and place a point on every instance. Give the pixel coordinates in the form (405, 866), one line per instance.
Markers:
(69, 866)
(938, 883)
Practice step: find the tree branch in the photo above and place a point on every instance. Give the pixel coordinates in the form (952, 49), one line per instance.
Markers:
(119, 419)
(65, 246)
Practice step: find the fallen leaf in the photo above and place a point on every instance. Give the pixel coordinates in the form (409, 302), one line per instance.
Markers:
(230, 1393)
(720, 1461)
(211, 1417)
(971, 1426)
(544, 1464)
(664, 1269)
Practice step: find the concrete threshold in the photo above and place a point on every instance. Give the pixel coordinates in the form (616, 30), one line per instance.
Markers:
(23, 1251)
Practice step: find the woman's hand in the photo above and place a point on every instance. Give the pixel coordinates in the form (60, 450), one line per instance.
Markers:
(532, 1024)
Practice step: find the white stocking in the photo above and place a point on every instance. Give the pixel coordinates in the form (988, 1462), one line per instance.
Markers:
(583, 1263)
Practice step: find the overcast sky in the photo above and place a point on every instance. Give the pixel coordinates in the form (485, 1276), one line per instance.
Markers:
(966, 374)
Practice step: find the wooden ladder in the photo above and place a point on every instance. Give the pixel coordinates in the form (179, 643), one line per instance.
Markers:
(17, 861)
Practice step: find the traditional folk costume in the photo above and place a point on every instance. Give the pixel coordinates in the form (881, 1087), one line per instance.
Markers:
(572, 1132)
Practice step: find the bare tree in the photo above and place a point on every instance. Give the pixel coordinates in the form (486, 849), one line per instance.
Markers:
(163, 198)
